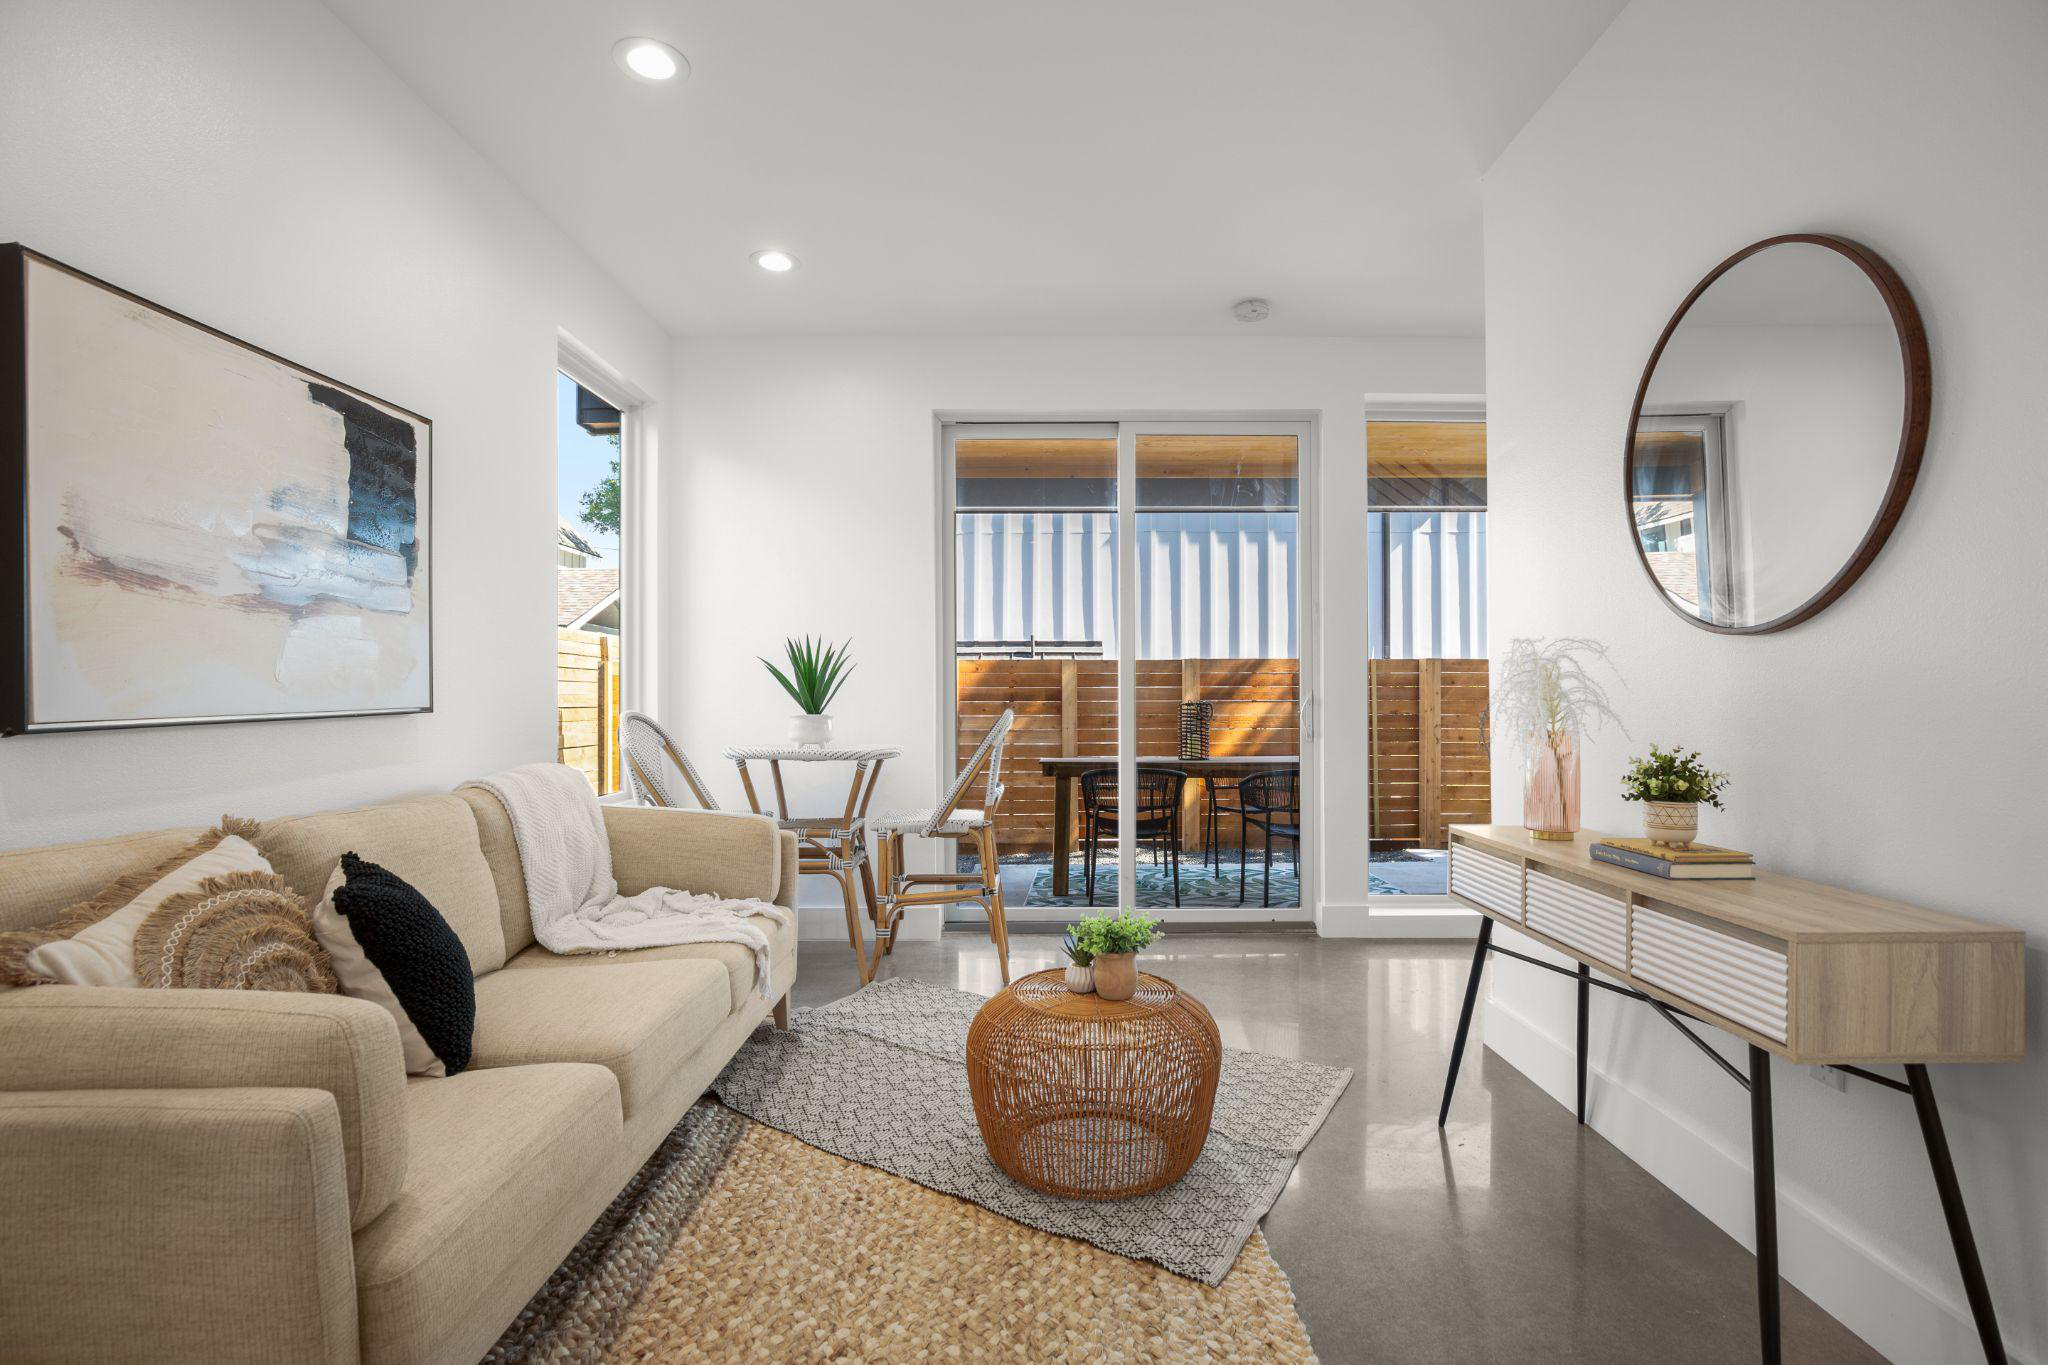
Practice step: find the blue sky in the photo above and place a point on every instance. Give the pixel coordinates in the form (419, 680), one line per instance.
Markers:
(581, 462)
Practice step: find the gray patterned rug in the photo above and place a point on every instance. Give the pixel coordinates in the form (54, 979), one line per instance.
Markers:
(880, 1077)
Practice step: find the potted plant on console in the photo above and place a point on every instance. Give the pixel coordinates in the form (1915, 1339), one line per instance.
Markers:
(816, 673)
(1113, 943)
(1672, 787)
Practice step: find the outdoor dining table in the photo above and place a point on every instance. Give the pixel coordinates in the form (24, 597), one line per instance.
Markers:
(1063, 771)
(833, 845)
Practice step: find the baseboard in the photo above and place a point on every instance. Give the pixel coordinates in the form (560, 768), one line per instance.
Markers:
(1893, 1310)
(1434, 918)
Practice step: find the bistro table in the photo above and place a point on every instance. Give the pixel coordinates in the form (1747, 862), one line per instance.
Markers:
(1063, 771)
(832, 846)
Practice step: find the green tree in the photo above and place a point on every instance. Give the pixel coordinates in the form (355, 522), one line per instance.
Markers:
(601, 504)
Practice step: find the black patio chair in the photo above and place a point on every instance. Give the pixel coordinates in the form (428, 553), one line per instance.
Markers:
(1271, 801)
(1155, 816)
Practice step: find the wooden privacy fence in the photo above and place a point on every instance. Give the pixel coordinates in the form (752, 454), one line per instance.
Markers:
(587, 705)
(1067, 707)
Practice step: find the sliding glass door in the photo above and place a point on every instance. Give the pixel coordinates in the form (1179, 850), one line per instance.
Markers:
(1134, 591)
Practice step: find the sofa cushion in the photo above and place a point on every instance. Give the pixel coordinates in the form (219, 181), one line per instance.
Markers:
(639, 1020)
(509, 1168)
(430, 841)
(736, 958)
(501, 852)
(36, 884)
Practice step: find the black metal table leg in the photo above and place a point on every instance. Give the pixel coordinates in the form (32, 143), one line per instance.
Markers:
(1959, 1233)
(1465, 1016)
(1585, 1004)
(1765, 1168)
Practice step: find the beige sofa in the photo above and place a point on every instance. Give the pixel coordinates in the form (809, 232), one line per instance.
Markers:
(247, 1176)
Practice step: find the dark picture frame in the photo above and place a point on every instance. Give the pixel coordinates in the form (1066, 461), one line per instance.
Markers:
(400, 480)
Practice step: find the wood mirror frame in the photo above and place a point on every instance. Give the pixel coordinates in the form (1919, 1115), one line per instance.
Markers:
(1919, 386)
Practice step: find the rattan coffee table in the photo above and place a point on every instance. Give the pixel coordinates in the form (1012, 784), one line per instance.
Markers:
(1089, 1098)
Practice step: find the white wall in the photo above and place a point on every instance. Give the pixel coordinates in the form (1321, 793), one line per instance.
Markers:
(252, 165)
(806, 502)
(1890, 744)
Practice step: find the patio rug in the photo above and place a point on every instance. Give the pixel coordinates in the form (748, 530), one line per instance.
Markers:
(736, 1242)
(1198, 887)
(880, 1077)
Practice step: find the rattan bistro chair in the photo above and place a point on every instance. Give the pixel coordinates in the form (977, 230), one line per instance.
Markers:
(650, 753)
(1271, 801)
(1155, 816)
(948, 820)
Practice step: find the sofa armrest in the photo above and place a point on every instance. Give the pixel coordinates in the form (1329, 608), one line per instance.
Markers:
(85, 1038)
(181, 1225)
(709, 852)
(785, 892)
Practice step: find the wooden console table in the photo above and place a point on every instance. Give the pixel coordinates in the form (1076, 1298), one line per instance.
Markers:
(1812, 973)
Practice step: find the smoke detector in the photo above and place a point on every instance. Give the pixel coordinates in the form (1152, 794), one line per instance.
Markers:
(1250, 310)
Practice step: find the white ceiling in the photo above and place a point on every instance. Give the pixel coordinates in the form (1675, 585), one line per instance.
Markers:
(1040, 166)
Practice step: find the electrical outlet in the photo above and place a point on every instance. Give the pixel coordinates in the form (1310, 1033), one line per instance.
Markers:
(1834, 1078)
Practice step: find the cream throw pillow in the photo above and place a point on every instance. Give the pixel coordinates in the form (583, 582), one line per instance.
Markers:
(360, 978)
(103, 954)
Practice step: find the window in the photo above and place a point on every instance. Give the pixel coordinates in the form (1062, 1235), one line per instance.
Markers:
(588, 637)
(1426, 616)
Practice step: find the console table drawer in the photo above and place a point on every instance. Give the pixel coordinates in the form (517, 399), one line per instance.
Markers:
(1581, 918)
(1483, 879)
(1734, 977)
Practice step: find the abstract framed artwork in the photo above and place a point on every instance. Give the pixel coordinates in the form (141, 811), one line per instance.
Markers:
(193, 530)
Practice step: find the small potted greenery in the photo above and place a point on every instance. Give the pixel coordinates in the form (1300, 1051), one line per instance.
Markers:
(816, 673)
(1080, 964)
(1113, 943)
(1672, 787)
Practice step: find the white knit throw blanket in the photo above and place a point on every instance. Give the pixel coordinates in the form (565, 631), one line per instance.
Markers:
(575, 901)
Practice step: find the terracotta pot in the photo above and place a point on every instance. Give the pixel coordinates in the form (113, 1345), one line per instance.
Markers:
(1676, 823)
(1550, 787)
(810, 731)
(1080, 980)
(1116, 975)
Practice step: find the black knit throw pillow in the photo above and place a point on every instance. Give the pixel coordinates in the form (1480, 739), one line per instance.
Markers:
(406, 938)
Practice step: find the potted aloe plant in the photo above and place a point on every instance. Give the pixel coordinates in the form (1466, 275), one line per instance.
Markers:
(1113, 943)
(817, 671)
(1080, 964)
(1672, 787)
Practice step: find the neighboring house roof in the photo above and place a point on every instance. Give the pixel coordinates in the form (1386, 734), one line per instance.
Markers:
(582, 593)
(567, 539)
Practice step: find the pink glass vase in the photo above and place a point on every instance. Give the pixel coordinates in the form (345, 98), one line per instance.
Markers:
(1550, 787)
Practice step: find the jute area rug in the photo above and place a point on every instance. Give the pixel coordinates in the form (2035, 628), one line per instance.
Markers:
(880, 1076)
(740, 1243)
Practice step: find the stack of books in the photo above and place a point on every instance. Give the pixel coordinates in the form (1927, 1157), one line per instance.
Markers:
(1701, 862)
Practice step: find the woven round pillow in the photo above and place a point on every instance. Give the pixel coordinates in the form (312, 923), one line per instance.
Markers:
(242, 932)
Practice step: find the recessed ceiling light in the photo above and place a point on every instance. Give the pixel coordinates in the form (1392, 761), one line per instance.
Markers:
(649, 59)
(777, 261)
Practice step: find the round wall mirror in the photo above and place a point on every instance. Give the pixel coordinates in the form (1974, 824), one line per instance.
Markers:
(1776, 433)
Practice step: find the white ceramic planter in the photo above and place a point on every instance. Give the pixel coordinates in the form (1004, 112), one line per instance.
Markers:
(1676, 823)
(813, 731)
(1080, 980)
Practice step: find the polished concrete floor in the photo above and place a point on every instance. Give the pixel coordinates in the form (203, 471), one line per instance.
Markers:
(1511, 1235)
